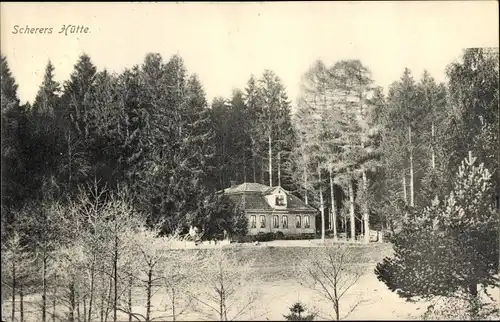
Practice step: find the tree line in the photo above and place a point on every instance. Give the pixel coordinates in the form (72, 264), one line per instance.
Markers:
(358, 155)
(370, 158)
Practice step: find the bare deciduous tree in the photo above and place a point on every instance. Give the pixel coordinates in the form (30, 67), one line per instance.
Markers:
(332, 273)
(150, 252)
(222, 287)
(178, 268)
(16, 267)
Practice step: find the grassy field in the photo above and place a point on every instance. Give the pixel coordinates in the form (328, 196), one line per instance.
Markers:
(273, 276)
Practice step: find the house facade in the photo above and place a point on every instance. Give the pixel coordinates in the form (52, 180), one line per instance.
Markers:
(273, 209)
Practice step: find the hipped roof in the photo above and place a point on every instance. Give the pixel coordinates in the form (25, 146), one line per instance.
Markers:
(252, 196)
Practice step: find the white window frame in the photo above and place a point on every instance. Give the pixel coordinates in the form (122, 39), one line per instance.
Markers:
(284, 219)
(280, 200)
(262, 222)
(307, 221)
(276, 221)
(253, 221)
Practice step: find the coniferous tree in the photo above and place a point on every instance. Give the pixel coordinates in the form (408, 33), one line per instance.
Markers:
(253, 102)
(240, 123)
(316, 97)
(473, 120)
(449, 248)
(76, 114)
(43, 144)
(404, 115)
(13, 120)
(75, 99)
(432, 97)
(296, 313)
(47, 98)
(196, 151)
(220, 115)
(274, 119)
(473, 114)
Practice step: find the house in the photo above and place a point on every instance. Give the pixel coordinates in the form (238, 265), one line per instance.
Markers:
(273, 209)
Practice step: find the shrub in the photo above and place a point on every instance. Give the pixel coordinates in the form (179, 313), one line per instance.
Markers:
(279, 235)
(264, 237)
(296, 311)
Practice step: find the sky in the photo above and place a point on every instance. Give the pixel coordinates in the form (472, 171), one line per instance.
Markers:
(224, 43)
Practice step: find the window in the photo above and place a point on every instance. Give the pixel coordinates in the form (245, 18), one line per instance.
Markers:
(307, 223)
(276, 221)
(280, 200)
(285, 221)
(298, 222)
(262, 221)
(253, 221)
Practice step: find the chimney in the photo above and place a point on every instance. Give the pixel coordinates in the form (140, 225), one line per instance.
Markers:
(233, 183)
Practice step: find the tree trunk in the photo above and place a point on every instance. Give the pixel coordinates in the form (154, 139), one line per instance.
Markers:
(115, 274)
(78, 306)
(72, 302)
(321, 206)
(108, 300)
(85, 309)
(221, 179)
(14, 288)
(270, 162)
(173, 304)
(44, 286)
(380, 235)
(130, 285)
(351, 208)
(330, 212)
(344, 220)
(336, 304)
(404, 187)
(474, 301)
(148, 296)
(54, 297)
(91, 291)
(254, 162)
(21, 302)
(70, 155)
(365, 223)
(366, 215)
(279, 169)
(305, 183)
(221, 305)
(262, 178)
(412, 191)
(433, 158)
(101, 311)
(337, 311)
(333, 210)
(433, 155)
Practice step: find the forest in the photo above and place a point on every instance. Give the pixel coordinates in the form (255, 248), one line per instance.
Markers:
(104, 152)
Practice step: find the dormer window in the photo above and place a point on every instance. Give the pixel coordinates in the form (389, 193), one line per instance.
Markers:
(277, 198)
(280, 200)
